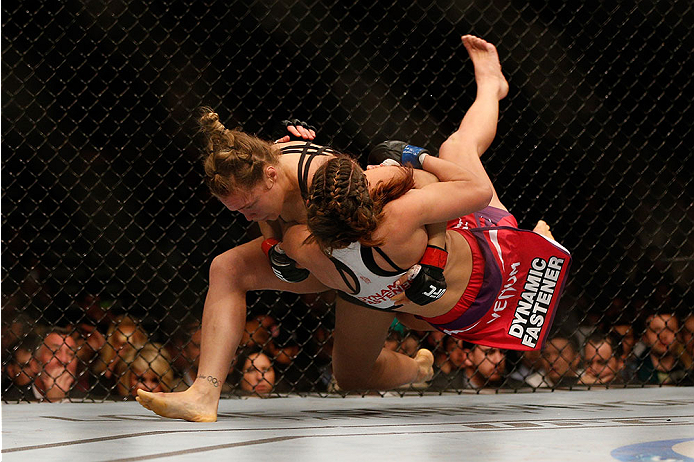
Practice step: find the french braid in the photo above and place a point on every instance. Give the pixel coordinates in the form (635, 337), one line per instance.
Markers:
(342, 210)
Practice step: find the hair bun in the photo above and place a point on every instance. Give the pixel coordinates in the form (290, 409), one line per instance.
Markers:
(209, 120)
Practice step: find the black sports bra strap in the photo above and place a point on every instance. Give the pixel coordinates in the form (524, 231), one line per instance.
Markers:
(367, 257)
(319, 152)
(303, 169)
(301, 174)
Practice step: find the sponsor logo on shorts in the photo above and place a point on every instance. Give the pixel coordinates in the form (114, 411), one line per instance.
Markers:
(535, 300)
(507, 291)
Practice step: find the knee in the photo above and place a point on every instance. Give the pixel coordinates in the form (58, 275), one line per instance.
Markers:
(228, 268)
(453, 146)
(350, 381)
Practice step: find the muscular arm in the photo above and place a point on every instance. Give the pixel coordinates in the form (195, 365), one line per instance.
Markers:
(271, 229)
(435, 231)
(458, 193)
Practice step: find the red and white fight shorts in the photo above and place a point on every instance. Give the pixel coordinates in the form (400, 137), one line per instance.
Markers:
(516, 282)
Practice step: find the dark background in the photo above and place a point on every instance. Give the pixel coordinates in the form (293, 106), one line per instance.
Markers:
(102, 187)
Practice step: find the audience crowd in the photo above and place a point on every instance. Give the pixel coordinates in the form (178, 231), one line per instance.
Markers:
(111, 355)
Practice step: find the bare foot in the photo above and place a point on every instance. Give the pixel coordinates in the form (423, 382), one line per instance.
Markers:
(425, 365)
(487, 65)
(188, 405)
(543, 228)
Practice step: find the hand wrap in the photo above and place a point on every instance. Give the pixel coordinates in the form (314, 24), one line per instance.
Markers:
(284, 267)
(282, 131)
(399, 151)
(426, 280)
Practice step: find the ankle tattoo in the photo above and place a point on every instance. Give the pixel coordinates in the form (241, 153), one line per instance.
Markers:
(209, 378)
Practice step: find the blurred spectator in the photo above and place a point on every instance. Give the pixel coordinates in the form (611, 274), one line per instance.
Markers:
(322, 356)
(527, 368)
(434, 341)
(54, 366)
(269, 323)
(257, 373)
(255, 335)
(448, 364)
(471, 366)
(18, 374)
(560, 360)
(687, 338)
(484, 366)
(290, 363)
(407, 345)
(626, 334)
(185, 351)
(14, 331)
(89, 340)
(602, 359)
(148, 368)
(124, 336)
(657, 360)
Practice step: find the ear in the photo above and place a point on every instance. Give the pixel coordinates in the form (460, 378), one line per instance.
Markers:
(271, 176)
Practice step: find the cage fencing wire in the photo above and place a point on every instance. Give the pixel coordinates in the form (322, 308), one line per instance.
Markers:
(108, 231)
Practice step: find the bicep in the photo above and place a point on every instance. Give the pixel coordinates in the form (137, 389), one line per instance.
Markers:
(441, 202)
(423, 178)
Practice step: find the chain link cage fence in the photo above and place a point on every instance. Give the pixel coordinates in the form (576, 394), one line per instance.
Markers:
(108, 230)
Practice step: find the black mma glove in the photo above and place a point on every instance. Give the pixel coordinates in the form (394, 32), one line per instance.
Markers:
(427, 283)
(284, 267)
(398, 151)
(282, 131)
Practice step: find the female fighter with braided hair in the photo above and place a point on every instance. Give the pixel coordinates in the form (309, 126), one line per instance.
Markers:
(265, 181)
(503, 284)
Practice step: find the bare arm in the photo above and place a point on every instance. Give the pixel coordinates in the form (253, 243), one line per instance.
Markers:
(435, 231)
(459, 192)
(271, 229)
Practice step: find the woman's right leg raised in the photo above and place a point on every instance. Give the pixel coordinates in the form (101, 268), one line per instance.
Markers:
(232, 274)
(478, 127)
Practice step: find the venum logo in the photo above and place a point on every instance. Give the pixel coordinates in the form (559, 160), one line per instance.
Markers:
(507, 291)
(535, 300)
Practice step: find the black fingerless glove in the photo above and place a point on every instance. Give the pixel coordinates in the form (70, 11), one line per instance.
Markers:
(399, 151)
(427, 283)
(282, 131)
(284, 267)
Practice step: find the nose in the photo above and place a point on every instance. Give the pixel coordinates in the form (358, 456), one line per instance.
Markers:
(65, 355)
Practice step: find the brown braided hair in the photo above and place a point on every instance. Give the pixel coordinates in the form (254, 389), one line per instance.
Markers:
(341, 210)
(234, 161)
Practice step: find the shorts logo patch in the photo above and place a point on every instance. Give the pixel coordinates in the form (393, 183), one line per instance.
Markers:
(535, 300)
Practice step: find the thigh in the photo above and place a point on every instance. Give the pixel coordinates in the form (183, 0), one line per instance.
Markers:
(360, 334)
(455, 149)
(246, 267)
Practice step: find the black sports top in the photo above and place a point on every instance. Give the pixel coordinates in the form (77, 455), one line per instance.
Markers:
(308, 152)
